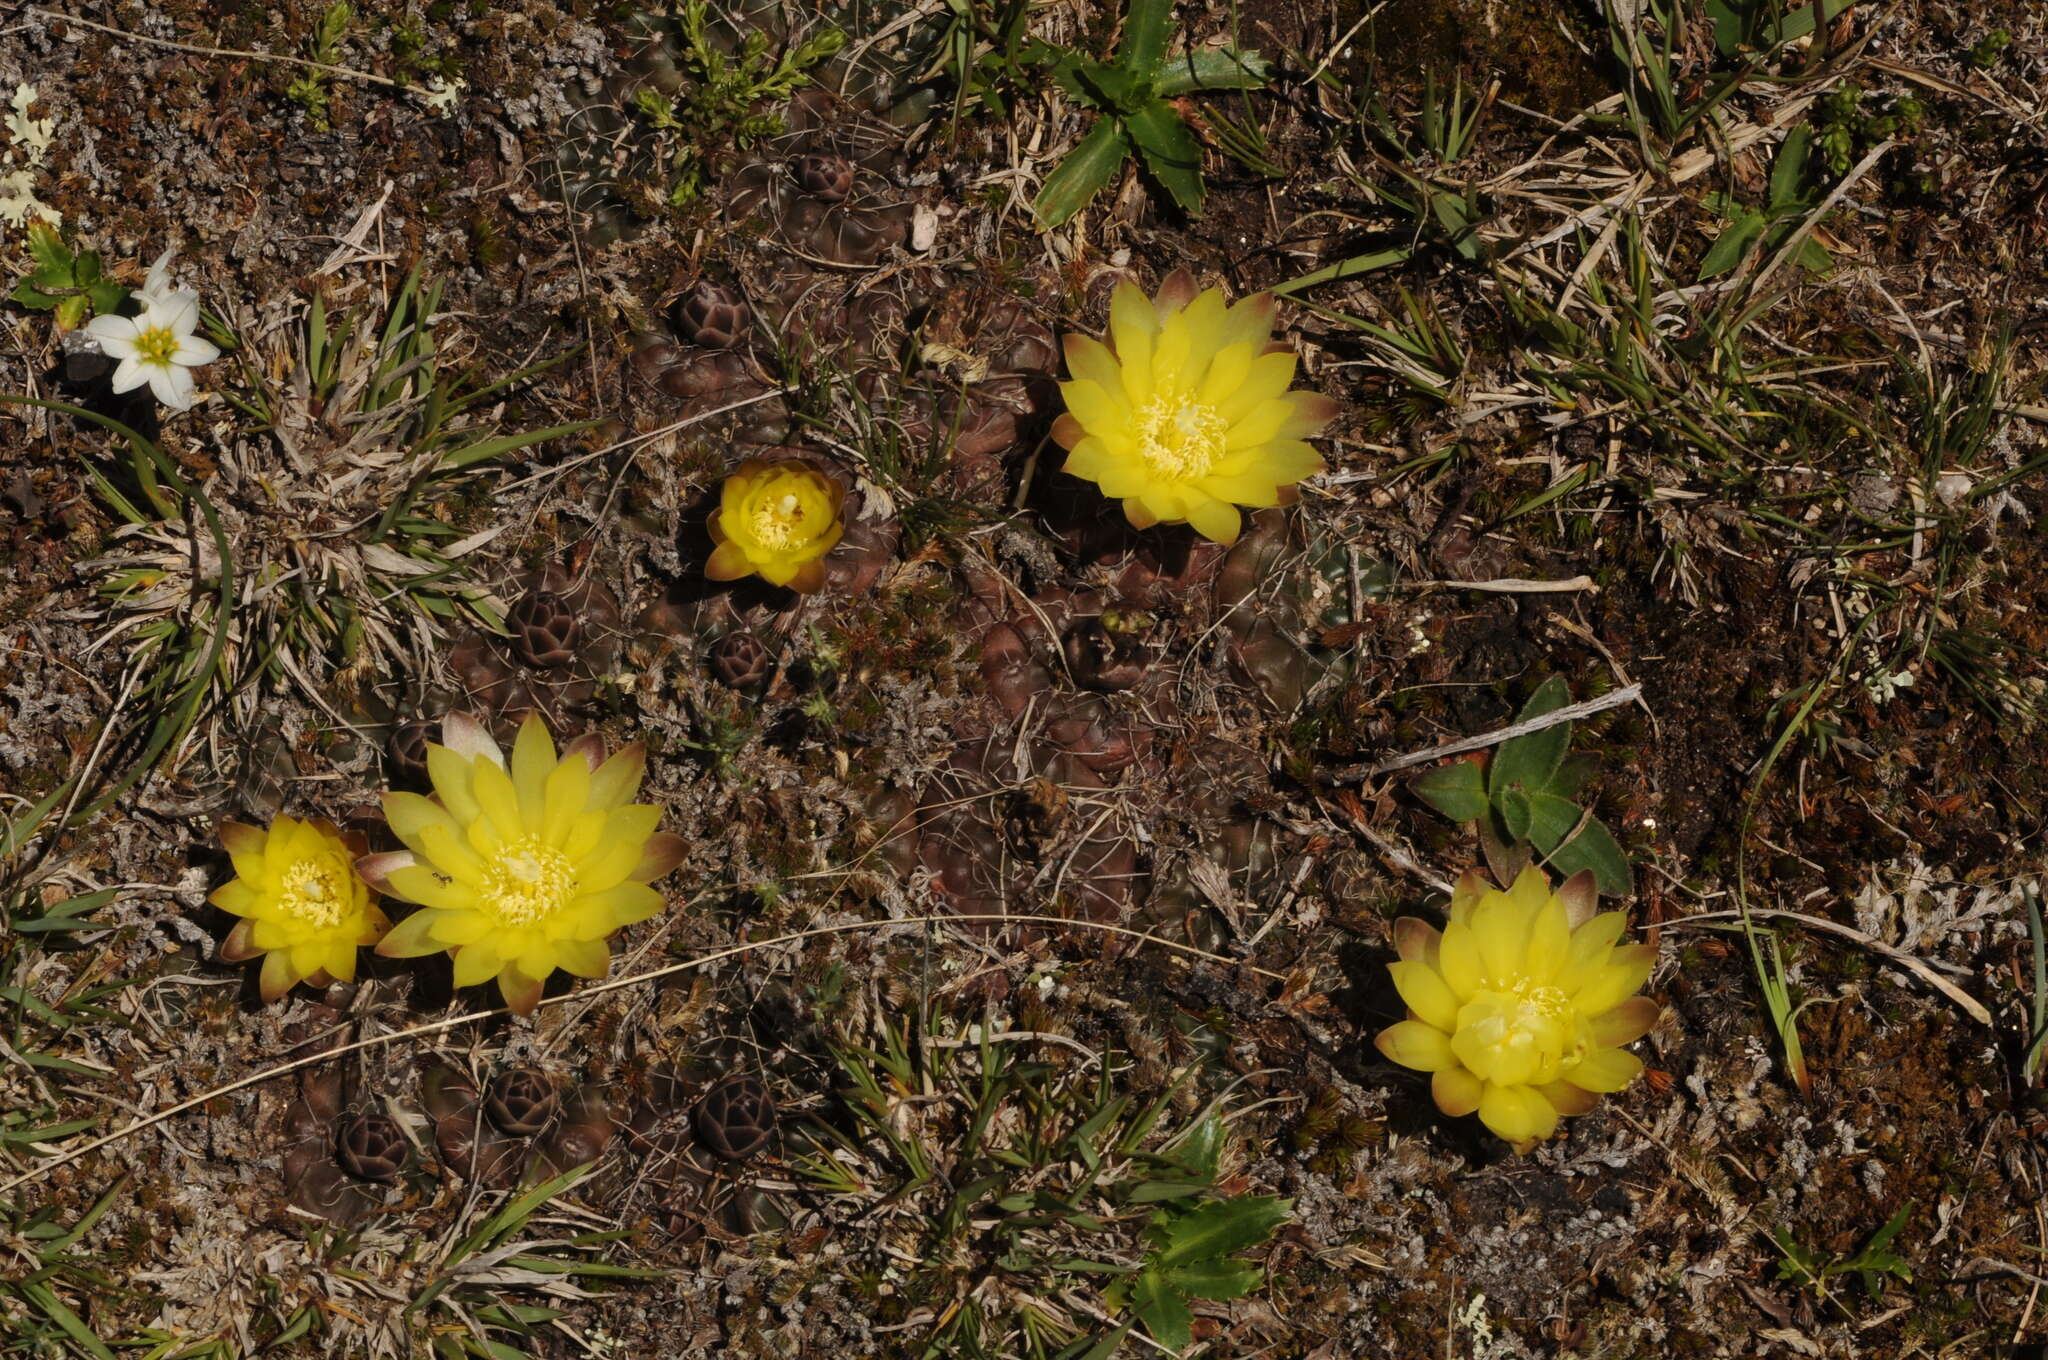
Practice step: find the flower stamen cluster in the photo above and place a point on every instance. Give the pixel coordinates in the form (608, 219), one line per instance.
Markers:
(776, 520)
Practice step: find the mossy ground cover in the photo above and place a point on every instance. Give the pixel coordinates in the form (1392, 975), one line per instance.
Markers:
(1689, 347)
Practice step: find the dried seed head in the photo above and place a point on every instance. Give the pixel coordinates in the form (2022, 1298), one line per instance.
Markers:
(545, 630)
(408, 750)
(711, 315)
(741, 660)
(736, 1118)
(371, 1147)
(823, 176)
(522, 1101)
(1106, 659)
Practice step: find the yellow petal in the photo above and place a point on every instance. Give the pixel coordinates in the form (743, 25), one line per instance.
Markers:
(1567, 1098)
(533, 758)
(1227, 372)
(269, 934)
(417, 883)
(618, 853)
(1094, 407)
(1211, 518)
(1261, 425)
(1605, 1070)
(539, 958)
(1133, 323)
(1456, 1091)
(562, 799)
(340, 960)
(618, 779)
(1550, 939)
(1089, 360)
(1519, 1114)
(1531, 886)
(463, 928)
(1458, 957)
(498, 798)
(1165, 504)
(521, 992)
(584, 958)
(449, 773)
(1501, 932)
(410, 814)
(1265, 379)
(1624, 974)
(1626, 1023)
(235, 897)
(277, 977)
(307, 956)
(600, 913)
(1414, 1044)
(1470, 889)
(476, 963)
(1592, 943)
(413, 937)
(1423, 988)
(1416, 940)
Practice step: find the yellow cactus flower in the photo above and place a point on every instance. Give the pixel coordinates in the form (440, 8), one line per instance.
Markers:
(526, 867)
(1186, 415)
(1521, 1006)
(775, 520)
(302, 905)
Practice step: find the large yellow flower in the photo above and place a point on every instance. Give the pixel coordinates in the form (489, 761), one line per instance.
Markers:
(526, 868)
(1522, 1004)
(775, 520)
(1188, 415)
(302, 906)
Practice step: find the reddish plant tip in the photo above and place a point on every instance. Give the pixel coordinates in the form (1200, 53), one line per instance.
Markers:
(741, 660)
(736, 1118)
(407, 750)
(545, 630)
(371, 1147)
(823, 176)
(522, 1101)
(711, 315)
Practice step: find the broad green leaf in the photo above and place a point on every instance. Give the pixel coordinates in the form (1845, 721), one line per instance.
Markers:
(1788, 171)
(1211, 68)
(1221, 1278)
(1595, 848)
(106, 297)
(1083, 174)
(1164, 1311)
(1730, 245)
(1814, 257)
(1515, 813)
(47, 248)
(1170, 152)
(1200, 1147)
(1219, 1229)
(1529, 760)
(1457, 790)
(1551, 819)
(1147, 26)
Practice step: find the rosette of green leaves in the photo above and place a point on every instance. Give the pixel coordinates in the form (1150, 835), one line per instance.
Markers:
(1132, 93)
(65, 281)
(1524, 794)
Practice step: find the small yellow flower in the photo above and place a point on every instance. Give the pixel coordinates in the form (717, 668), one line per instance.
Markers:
(775, 520)
(1521, 1006)
(1186, 414)
(526, 868)
(302, 906)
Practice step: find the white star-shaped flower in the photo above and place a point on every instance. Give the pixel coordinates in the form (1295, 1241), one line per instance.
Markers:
(157, 347)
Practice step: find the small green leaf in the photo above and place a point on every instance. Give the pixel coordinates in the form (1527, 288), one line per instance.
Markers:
(1083, 174)
(48, 250)
(1219, 1278)
(1515, 814)
(106, 297)
(1551, 819)
(71, 313)
(1164, 1311)
(1729, 247)
(1457, 790)
(1147, 26)
(1595, 848)
(1211, 68)
(1218, 1229)
(1105, 1348)
(1788, 170)
(1529, 760)
(1170, 152)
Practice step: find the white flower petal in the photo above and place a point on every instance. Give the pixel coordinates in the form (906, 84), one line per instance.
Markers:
(130, 374)
(172, 385)
(105, 328)
(158, 282)
(192, 352)
(178, 312)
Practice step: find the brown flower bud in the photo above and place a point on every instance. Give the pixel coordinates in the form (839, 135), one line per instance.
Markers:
(545, 630)
(371, 1147)
(522, 1101)
(711, 315)
(823, 176)
(741, 660)
(736, 1118)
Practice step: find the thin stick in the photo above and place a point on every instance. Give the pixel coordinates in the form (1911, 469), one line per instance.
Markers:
(584, 993)
(346, 72)
(1971, 1006)
(1628, 694)
(1511, 585)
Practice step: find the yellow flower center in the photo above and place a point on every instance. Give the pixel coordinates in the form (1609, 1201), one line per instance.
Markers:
(156, 345)
(778, 522)
(1179, 439)
(314, 892)
(1523, 1033)
(526, 881)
